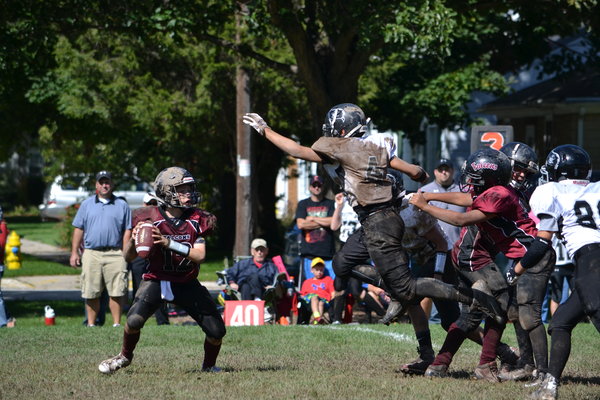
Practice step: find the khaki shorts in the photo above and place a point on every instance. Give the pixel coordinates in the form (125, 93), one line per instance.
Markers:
(103, 269)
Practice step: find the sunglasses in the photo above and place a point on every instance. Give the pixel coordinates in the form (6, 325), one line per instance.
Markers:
(316, 185)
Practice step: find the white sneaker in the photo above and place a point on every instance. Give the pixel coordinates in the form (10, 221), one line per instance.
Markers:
(112, 364)
(548, 391)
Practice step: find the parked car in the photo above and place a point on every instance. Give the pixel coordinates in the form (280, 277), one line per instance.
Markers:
(66, 191)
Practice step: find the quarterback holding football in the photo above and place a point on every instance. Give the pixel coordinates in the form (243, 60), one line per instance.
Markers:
(174, 255)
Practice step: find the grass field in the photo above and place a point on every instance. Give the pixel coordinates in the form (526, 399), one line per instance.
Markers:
(47, 232)
(267, 362)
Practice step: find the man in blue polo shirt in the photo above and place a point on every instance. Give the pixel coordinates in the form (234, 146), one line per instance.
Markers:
(102, 224)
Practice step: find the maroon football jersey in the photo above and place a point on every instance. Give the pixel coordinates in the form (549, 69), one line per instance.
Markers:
(512, 230)
(471, 250)
(193, 225)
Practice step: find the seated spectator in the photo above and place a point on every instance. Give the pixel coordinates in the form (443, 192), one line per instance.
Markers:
(252, 276)
(317, 291)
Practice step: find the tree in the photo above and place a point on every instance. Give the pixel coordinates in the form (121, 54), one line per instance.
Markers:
(139, 84)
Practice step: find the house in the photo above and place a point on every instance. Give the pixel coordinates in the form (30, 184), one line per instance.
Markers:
(561, 110)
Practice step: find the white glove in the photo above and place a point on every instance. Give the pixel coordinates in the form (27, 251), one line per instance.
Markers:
(255, 121)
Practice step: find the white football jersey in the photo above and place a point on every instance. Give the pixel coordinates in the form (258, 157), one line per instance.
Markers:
(416, 224)
(575, 207)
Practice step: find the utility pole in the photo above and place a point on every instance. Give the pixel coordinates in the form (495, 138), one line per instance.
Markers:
(244, 220)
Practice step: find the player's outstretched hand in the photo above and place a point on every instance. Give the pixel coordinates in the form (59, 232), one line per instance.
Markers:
(255, 121)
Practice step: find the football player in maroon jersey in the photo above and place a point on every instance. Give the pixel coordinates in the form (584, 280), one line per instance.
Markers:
(358, 163)
(179, 248)
(503, 223)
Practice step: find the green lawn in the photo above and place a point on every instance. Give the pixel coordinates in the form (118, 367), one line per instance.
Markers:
(274, 362)
(48, 232)
(35, 229)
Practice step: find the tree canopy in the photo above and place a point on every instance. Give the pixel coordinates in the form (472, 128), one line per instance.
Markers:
(141, 85)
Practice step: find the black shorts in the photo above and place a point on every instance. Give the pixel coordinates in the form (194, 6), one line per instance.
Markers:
(194, 298)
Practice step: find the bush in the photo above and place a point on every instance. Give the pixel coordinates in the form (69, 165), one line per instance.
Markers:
(65, 227)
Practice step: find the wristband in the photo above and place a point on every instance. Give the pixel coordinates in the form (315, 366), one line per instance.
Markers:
(440, 263)
(178, 248)
(422, 177)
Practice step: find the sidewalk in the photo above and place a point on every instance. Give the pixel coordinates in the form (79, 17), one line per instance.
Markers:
(55, 287)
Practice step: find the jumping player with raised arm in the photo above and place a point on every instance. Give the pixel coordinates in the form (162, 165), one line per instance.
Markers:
(179, 248)
(359, 164)
(567, 206)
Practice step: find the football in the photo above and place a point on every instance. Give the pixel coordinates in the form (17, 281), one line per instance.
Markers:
(144, 240)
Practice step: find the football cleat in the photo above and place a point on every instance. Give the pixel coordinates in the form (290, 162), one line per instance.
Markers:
(518, 374)
(507, 355)
(394, 311)
(538, 380)
(420, 364)
(112, 364)
(487, 372)
(213, 369)
(548, 391)
(437, 371)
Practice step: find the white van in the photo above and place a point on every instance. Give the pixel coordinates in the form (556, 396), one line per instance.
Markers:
(66, 191)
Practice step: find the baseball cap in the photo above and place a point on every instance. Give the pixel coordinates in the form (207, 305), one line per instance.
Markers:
(103, 174)
(317, 260)
(444, 161)
(258, 243)
(316, 179)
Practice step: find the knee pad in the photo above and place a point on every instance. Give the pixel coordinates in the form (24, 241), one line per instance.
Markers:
(135, 321)
(528, 318)
(513, 312)
(466, 323)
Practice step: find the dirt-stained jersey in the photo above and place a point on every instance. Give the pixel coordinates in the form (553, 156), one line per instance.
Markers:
(511, 230)
(416, 225)
(189, 229)
(359, 166)
(575, 208)
(472, 251)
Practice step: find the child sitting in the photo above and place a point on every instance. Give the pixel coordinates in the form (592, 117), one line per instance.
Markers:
(317, 291)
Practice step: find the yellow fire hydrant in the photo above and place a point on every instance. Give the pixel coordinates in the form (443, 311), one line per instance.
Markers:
(12, 257)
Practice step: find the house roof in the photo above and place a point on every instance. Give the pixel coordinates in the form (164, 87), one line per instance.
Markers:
(576, 88)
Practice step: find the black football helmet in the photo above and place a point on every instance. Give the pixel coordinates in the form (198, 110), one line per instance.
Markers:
(522, 157)
(345, 120)
(567, 162)
(166, 183)
(483, 169)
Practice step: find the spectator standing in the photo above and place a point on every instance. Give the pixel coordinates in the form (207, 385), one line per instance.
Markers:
(5, 320)
(103, 224)
(313, 217)
(444, 182)
(139, 266)
(252, 276)
(318, 290)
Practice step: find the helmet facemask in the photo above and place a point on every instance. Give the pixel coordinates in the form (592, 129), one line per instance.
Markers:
(167, 183)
